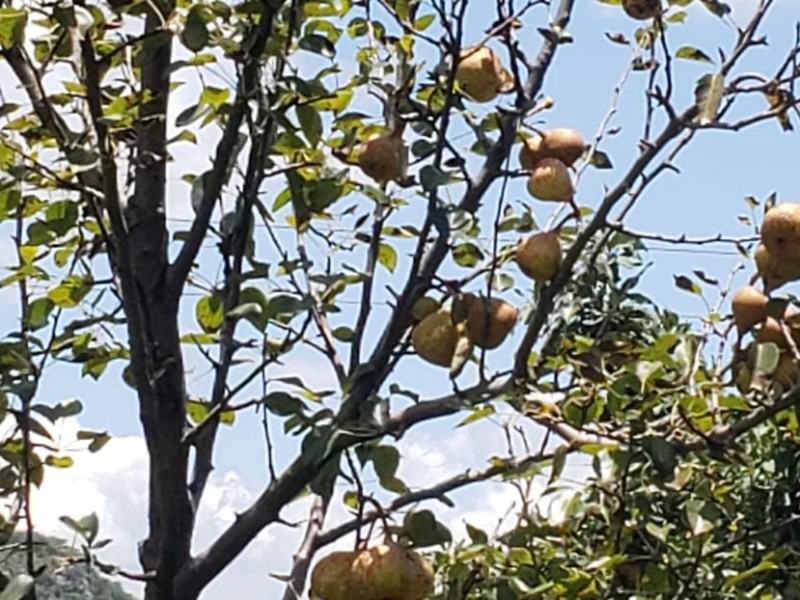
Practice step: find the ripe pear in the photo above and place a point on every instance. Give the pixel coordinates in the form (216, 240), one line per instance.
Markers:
(774, 271)
(562, 143)
(642, 10)
(489, 320)
(539, 256)
(749, 308)
(389, 572)
(780, 231)
(333, 578)
(480, 74)
(424, 307)
(435, 337)
(383, 158)
(773, 331)
(550, 181)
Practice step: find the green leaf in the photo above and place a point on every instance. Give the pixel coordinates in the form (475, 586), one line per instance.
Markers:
(424, 530)
(86, 527)
(38, 313)
(385, 460)
(708, 95)
(98, 439)
(59, 462)
(310, 123)
(71, 291)
(692, 53)
(387, 256)
(210, 313)
(195, 33)
(718, 8)
(318, 44)
(12, 26)
(478, 536)
(344, 334)
(467, 255)
(763, 567)
(478, 414)
(283, 404)
(684, 283)
(662, 453)
(62, 410)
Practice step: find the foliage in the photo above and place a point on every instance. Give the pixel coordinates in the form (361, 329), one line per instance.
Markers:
(138, 260)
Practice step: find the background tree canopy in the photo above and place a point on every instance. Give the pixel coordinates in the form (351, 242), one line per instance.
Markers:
(203, 197)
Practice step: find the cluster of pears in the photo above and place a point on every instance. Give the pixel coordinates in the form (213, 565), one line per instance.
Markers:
(777, 259)
(386, 571)
(547, 156)
(480, 76)
(445, 335)
(642, 10)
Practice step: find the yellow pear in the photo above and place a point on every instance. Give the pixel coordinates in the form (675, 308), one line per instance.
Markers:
(642, 10)
(562, 143)
(749, 308)
(780, 232)
(435, 337)
(333, 578)
(424, 307)
(550, 181)
(389, 572)
(539, 256)
(489, 320)
(774, 271)
(773, 331)
(480, 74)
(383, 158)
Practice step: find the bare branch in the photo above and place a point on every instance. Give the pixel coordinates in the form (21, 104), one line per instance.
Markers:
(214, 179)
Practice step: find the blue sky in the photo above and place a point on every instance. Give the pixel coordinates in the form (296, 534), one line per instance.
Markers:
(717, 171)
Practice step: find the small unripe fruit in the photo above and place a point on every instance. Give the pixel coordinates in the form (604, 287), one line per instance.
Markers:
(550, 181)
(435, 337)
(489, 320)
(642, 10)
(480, 74)
(562, 143)
(383, 158)
(539, 256)
(780, 232)
(749, 308)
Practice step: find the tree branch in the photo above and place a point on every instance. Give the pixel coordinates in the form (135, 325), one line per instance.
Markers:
(215, 178)
(266, 509)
